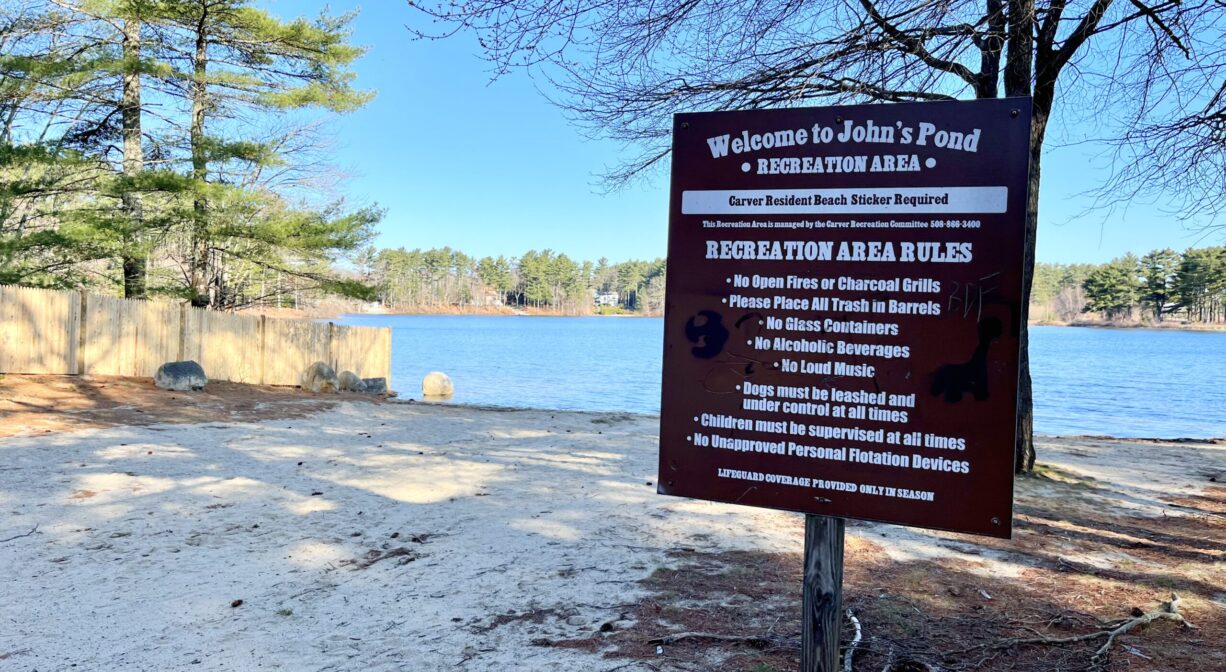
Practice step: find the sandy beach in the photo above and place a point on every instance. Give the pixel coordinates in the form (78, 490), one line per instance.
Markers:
(339, 534)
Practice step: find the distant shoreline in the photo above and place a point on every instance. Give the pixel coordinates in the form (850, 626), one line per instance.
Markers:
(335, 313)
(534, 313)
(1096, 324)
(1153, 326)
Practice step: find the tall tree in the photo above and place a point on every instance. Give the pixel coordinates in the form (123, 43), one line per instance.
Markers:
(603, 276)
(234, 60)
(29, 172)
(625, 68)
(130, 26)
(495, 274)
(77, 67)
(1200, 283)
(166, 130)
(1113, 289)
(1158, 269)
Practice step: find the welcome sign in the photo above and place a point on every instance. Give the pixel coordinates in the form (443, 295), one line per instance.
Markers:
(842, 311)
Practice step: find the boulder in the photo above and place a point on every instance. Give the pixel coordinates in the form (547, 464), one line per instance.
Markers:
(349, 381)
(180, 376)
(375, 385)
(437, 384)
(320, 377)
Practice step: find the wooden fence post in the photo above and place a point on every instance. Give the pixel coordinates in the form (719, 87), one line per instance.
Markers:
(263, 349)
(81, 336)
(331, 348)
(387, 356)
(182, 332)
(822, 602)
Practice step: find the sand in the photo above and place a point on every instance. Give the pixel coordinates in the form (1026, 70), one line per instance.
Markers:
(401, 536)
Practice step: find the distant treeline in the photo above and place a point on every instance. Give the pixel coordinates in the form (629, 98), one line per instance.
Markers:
(1164, 284)
(412, 280)
(1161, 285)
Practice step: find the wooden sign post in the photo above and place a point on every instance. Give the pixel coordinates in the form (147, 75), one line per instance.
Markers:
(842, 318)
(822, 602)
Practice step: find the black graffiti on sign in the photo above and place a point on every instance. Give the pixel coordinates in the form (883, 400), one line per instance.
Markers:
(708, 336)
(955, 380)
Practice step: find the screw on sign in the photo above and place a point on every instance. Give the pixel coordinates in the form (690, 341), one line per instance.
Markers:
(841, 322)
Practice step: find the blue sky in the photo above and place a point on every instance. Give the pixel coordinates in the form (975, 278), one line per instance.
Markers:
(493, 168)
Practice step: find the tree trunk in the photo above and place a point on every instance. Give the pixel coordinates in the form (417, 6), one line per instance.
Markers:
(1024, 455)
(199, 237)
(1019, 63)
(134, 271)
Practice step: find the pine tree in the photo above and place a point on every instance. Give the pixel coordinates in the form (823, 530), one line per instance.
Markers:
(238, 60)
(71, 100)
(1113, 289)
(1158, 270)
(1200, 284)
(95, 92)
(495, 274)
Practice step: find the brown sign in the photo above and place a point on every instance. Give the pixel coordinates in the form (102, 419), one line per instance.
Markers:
(842, 312)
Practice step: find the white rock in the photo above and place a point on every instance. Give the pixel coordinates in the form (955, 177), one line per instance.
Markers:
(437, 384)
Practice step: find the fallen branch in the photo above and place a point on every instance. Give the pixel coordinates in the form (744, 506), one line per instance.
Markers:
(32, 531)
(311, 590)
(756, 642)
(631, 664)
(855, 641)
(1167, 611)
(889, 661)
(406, 556)
(909, 664)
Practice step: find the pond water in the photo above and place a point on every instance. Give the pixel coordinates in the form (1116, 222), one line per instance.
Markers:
(1114, 382)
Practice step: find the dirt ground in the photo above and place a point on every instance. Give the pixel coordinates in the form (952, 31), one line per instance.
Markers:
(43, 404)
(955, 613)
(281, 530)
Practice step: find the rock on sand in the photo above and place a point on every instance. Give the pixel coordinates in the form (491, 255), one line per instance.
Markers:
(320, 377)
(375, 385)
(349, 381)
(180, 376)
(437, 384)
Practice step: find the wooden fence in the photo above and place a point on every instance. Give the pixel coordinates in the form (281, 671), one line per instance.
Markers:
(68, 332)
